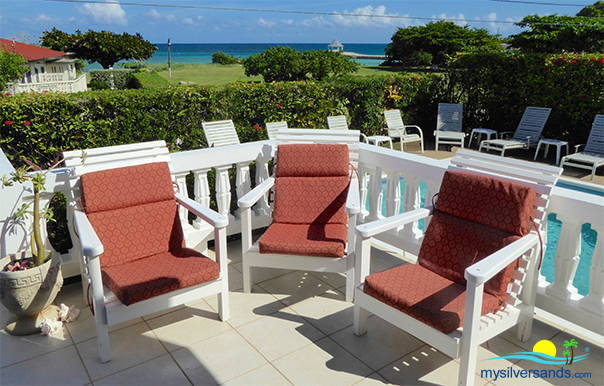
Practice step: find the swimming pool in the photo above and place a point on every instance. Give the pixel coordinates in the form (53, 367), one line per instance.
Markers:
(588, 235)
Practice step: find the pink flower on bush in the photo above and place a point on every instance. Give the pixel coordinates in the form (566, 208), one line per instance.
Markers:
(278, 105)
(593, 59)
(272, 101)
(257, 127)
(8, 123)
(27, 123)
(573, 61)
(562, 60)
(601, 60)
(554, 61)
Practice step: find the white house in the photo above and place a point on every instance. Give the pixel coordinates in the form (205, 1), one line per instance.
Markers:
(49, 70)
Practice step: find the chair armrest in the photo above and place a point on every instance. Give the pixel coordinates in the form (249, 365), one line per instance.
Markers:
(578, 146)
(364, 138)
(421, 133)
(254, 195)
(491, 265)
(376, 227)
(353, 200)
(91, 245)
(210, 216)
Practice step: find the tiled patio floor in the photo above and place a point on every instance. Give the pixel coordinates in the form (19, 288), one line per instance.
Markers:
(294, 329)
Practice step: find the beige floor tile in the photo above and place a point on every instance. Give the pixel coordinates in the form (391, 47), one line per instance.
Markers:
(322, 363)
(187, 326)
(61, 367)
(261, 274)
(84, 327)
(158, 371)
(328, 312)
(334, 279)
(245, 308)
(72, 294)
(382, 344)
(15, 349)
(235, 278)
(424, 366)
(539, 332)
(373, 380)
(218, 359)
(295, 287)
(382, 260)
(262, 376)
(496, 348)
(130, 347)
(279, 334)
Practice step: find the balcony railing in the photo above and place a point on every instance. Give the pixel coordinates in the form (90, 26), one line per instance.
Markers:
(377, 164)
(54, 83)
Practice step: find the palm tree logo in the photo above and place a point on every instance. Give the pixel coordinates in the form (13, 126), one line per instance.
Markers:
(570, 343)
(566, 354)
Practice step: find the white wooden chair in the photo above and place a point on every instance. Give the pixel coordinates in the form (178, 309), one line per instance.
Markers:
(310, 231)
(273, 127)
(448, 300)
(129, 231)
(449, 125)
(592, 157)
(338, 122)
(220, 133)
(526, 135)
(397, 129)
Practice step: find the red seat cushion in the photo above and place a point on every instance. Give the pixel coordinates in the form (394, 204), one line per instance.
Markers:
(452, 244)
(124, 187)
(486, 200)
(328, 240)
(424, 295)
(312, 160)
(159, 274)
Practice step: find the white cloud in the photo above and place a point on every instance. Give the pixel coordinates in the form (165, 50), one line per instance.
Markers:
(459, 19)
(187, 21)
(154, 14)
(264, 23)
(368, 17)
(105, 13)
(287, 21)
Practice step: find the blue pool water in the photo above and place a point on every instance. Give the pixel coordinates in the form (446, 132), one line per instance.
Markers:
(588, 238)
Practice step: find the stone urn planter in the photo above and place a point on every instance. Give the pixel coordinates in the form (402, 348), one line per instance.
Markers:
(28, 294)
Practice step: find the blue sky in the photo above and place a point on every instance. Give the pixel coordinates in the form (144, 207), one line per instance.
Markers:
(322, 21)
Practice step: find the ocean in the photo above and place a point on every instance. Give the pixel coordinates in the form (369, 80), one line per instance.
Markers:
(202, 53)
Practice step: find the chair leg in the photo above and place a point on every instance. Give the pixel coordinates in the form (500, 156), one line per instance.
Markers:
(350, 285)
(223, 305)
(247, 277)
(467, 366)
(102, 334)
(359, 325)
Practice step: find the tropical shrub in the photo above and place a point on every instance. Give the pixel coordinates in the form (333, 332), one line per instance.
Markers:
(12, 66)
(222, 58)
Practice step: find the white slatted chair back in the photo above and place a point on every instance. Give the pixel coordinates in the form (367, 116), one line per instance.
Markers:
(532, 124)
(337, 122)
(220, 133)
(394, 122)
(449, 117)
(595, 142)
(273, 127)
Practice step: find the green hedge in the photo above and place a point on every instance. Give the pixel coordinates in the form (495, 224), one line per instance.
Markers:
(119, 79)
(494, 88)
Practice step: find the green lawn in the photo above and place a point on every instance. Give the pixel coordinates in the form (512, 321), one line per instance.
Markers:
(209, 74)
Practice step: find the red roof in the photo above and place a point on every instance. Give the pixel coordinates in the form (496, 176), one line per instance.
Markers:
(28, 51)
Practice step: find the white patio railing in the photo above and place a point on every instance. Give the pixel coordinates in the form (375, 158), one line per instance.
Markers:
(376, 164)
(68, 86)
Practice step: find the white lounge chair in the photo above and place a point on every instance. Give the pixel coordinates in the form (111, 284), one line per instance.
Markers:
(315, 207)
(273, 127)
(338, 122)
(526, 135)
(477, 270)
(397, 129)
(220, 133)
(448, 125)
(592, 157)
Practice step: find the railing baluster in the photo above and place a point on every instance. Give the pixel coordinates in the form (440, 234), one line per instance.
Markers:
(223, 190)
(393, 193)
(566, 260)
(411, 201)
(181, 182)
(262, 208)
(594, 301)
(363, 182)
(202, 193)
(243, 183)
(375, 194)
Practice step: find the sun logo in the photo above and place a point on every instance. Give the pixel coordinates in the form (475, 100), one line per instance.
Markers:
(545, 347)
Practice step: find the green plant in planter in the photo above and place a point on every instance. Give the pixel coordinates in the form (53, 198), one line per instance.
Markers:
(38, 179)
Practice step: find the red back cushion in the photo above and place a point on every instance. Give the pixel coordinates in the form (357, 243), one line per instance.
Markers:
(475, 217)
(311, 184)
(137, 219)
(487, 200)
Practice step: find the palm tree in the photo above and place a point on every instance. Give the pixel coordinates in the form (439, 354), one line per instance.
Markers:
(572, 343)
(566, 354)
